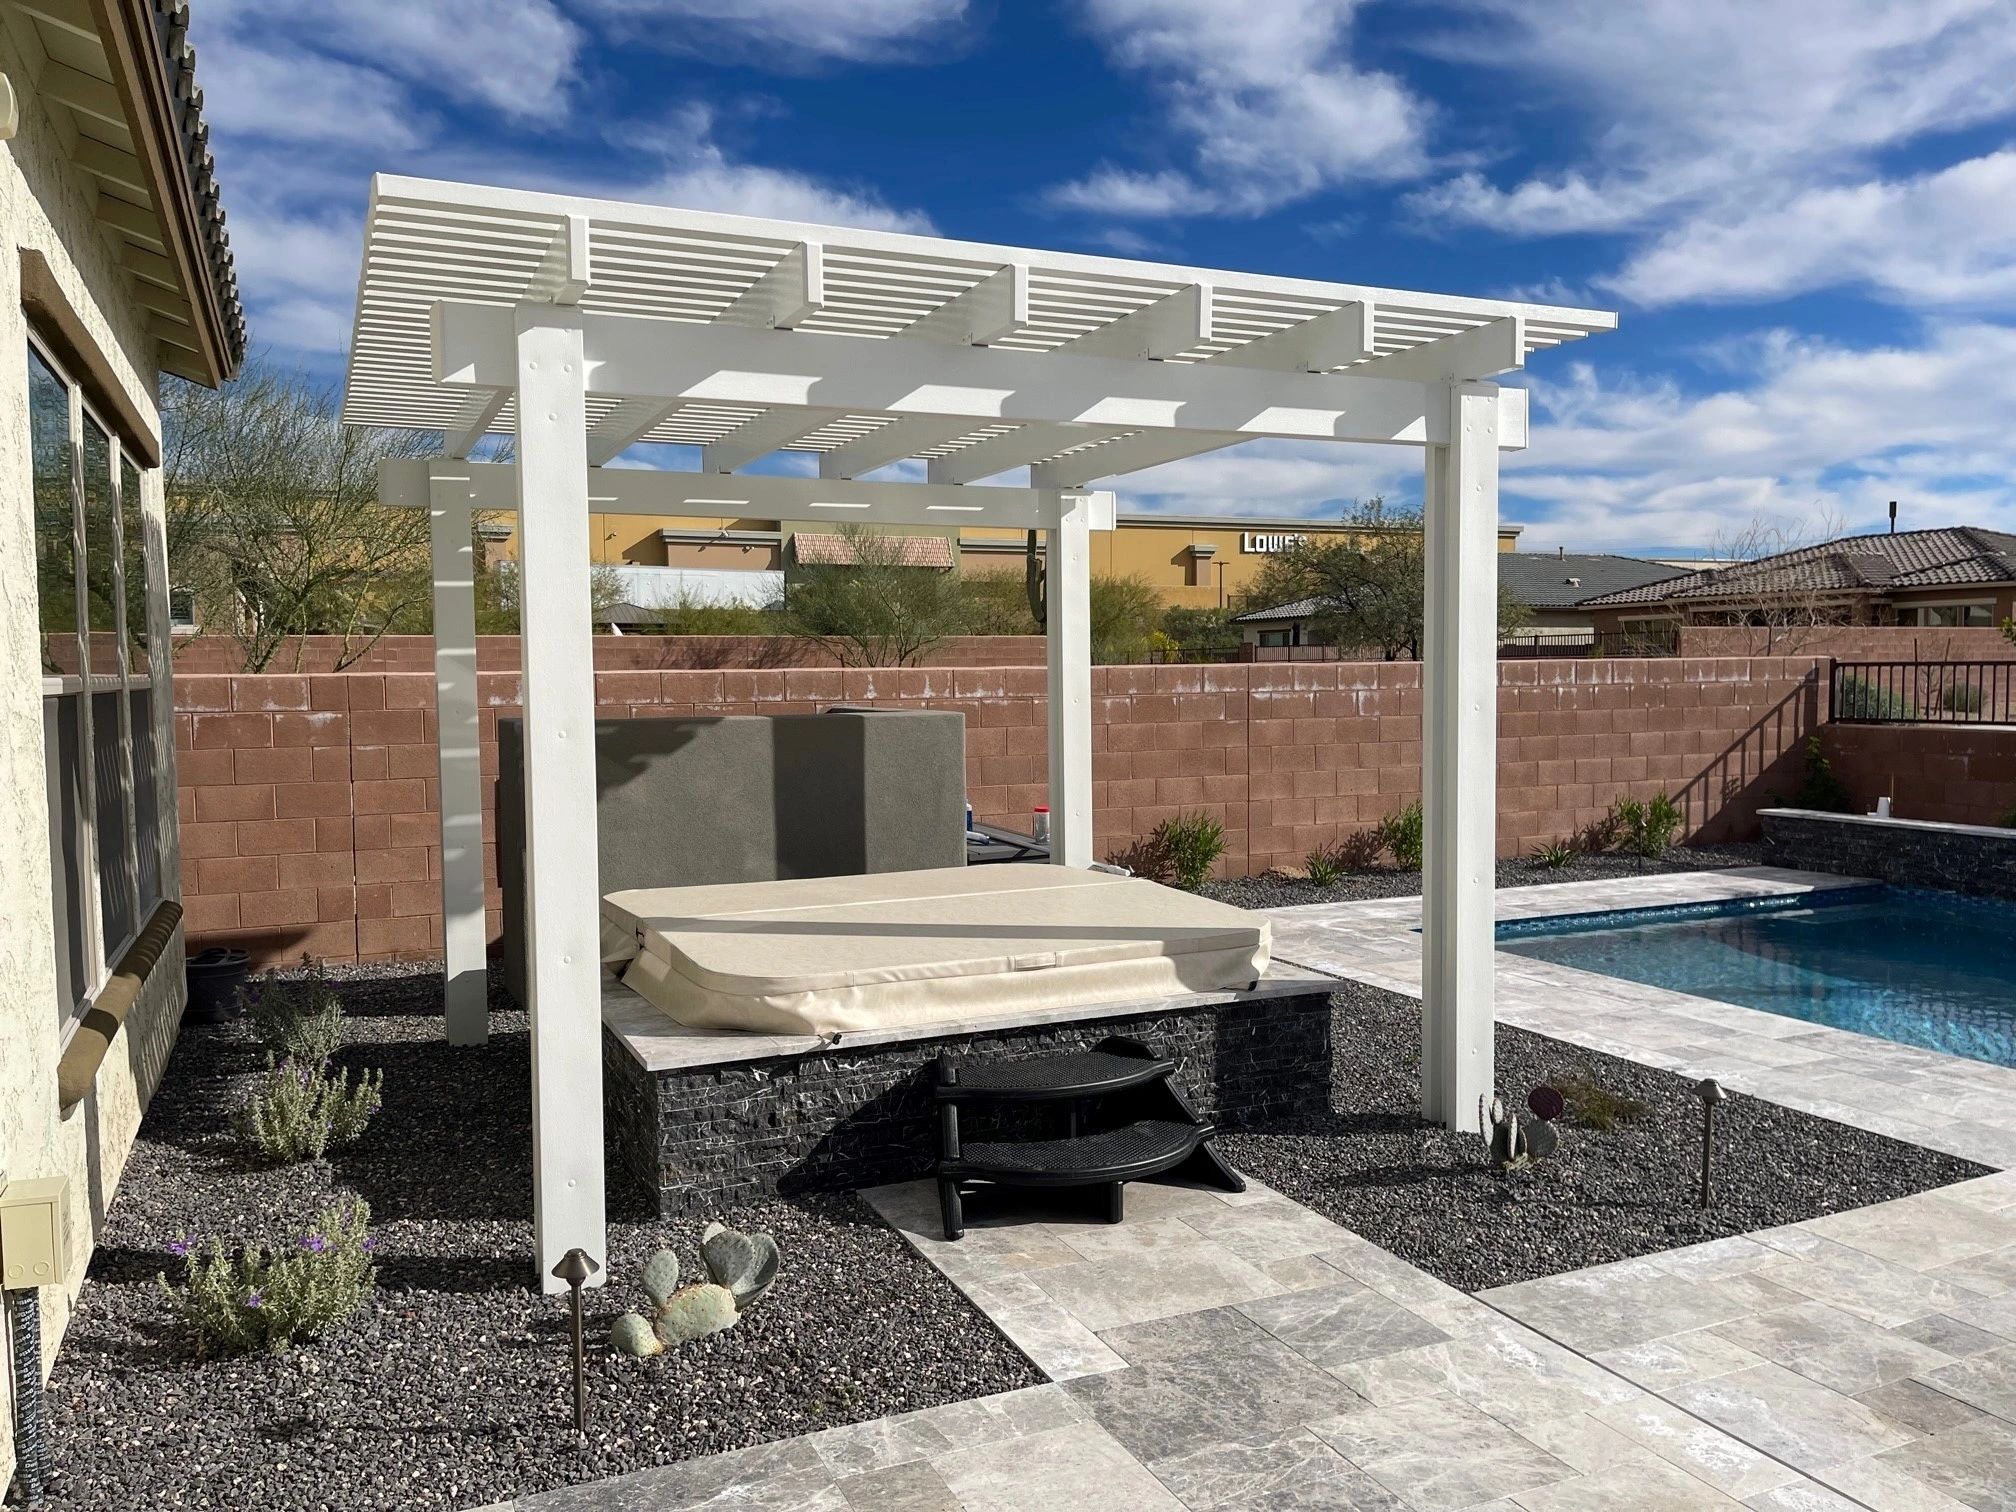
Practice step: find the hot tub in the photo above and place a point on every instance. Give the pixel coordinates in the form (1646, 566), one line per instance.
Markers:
(837, 955)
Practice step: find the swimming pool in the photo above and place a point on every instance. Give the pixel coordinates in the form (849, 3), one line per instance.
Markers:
(1921, 968)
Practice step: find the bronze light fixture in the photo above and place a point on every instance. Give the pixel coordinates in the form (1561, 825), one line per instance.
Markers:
(575, 1268)
(1710, 1092)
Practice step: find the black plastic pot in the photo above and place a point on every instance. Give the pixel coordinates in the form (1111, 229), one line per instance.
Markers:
(215, 975)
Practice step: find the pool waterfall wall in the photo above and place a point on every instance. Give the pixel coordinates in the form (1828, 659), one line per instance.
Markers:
(1963, 858)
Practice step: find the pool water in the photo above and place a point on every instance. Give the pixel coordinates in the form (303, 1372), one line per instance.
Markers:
(1920, 968)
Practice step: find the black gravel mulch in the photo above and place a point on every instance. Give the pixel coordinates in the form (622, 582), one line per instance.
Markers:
(1428, 1196)
(1276, 890)
(451, 1389)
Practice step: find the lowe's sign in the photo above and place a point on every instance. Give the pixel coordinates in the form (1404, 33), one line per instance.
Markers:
(1267, 542)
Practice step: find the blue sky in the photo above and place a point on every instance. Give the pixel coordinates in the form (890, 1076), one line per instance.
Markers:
(1805, 213)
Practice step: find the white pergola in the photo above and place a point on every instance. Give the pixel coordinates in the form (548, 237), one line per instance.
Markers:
(583, 326)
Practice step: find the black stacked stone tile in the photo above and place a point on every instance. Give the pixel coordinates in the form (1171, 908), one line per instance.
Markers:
(687, 1141)
(1957, 857)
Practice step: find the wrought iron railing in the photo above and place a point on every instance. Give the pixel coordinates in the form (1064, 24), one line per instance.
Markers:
(1918, 692)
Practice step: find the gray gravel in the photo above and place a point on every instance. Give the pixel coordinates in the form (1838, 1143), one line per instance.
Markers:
(1275, 890)
(450, 1390)
(1427, 1195)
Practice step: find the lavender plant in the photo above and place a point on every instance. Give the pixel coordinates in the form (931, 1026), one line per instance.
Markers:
(268, 1299)
(301, 1110)
(298, 1018)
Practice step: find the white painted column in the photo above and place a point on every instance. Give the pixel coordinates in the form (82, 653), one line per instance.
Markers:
(1459, 763)
(161, 673)
(563, 950)
(1068, 601)
(455, 713)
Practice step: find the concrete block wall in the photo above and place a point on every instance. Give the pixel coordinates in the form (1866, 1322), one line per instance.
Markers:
(1956, 774)
(309, 803)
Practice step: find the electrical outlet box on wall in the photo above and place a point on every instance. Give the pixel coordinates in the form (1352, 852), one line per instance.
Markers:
(31, 1233)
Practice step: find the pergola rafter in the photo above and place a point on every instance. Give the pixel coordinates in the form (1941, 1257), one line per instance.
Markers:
(584, 327)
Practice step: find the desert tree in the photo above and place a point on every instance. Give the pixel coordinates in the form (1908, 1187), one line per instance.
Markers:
(274, 525)
(1369, 587)
(877, 609)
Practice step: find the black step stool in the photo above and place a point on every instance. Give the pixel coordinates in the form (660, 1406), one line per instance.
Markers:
(1146, 1126)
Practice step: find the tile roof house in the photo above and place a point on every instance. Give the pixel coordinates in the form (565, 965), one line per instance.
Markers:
(1954, 576)
(1553, 588)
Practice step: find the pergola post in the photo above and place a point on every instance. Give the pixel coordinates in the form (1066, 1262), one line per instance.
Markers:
(563, 949)
(1068, 617)
(1459, 761)
(459, 740)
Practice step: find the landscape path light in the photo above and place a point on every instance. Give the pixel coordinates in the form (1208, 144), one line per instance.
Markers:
(1711, 1094)
(575, 1268)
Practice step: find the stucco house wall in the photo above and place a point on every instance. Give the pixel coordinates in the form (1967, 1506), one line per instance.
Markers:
(48, 207)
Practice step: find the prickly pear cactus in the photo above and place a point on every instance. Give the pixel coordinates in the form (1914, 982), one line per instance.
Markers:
(661, 1277)
(633, 1335)
(1508, 1142)
(693, 1312)
(744, 1263)
(1542, 1139)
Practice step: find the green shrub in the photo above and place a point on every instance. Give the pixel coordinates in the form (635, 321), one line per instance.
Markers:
(1556, 854)
(1194, 843)
(1594, 1105)
(1400, 833)
(688, 615)
(1647, 829)
(268, 1299)
(297, 1018)
(1960, 698)
(1327, 865)
(1819, 789)
(1858, 698)
(303, 1109)
(1147, 858)
(2009, 820)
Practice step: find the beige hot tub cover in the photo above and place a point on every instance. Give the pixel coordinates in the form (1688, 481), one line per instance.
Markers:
(845, 954)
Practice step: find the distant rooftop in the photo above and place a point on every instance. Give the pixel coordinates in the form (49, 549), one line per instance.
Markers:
(1953, 556)
(1569, 578)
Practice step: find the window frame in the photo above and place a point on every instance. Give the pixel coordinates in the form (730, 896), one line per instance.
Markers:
(86, 907)
(1918, 607)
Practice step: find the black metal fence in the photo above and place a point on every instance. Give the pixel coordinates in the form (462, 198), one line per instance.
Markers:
(1913, 692)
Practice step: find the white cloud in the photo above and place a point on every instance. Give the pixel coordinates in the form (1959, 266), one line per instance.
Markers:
(1942, 238)
(788, 31)
(701, 175)
(1706, 99)
(1619, 464)
(1267, 98)
(1825, 430)
(284, 94)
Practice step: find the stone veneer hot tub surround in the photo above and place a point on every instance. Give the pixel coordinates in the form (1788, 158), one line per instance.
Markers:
(699, 1120)
(1964, 858)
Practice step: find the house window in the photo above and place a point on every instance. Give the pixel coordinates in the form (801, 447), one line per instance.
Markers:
(98, 739)
(1980, 614)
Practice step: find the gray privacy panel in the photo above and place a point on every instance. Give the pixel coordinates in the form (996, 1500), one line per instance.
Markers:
(749, 798)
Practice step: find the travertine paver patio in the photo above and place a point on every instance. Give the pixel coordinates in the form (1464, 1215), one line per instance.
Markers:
(1224, 1352)
(1963, 1107)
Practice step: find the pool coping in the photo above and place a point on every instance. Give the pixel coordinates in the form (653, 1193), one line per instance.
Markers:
(1943, 1102)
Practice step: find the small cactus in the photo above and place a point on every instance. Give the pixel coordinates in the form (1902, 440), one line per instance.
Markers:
(693, 1312)
(661, 1277)
(633, 1335)
(744, 1263)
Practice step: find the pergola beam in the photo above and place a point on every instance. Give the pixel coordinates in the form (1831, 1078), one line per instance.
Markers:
(625, 425)
(1018, 448)
(995, 307)
(792, 291)
(759, 437)
(734, 365)
(481, 415)
(1316, 345)
(891, 443)
(650, 491)
(1497, 346)
(1174, 323)
(1126, 455)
